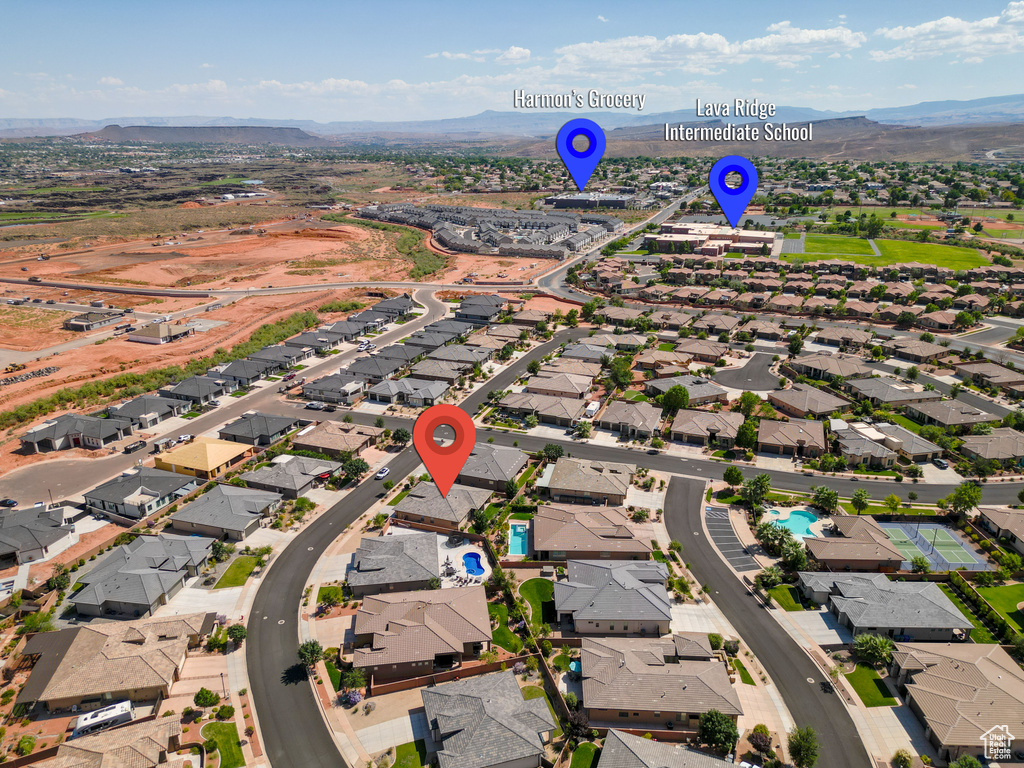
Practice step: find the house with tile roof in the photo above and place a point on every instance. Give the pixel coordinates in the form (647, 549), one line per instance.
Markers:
(484, 722)
(1005, 524)
(647, 682)
(625, 750)
(139, 492)
(27, 535)
(144, 744)
(336, 438)
(292, 476)
(631, 419)
(414, 634)
(257, 429)
(585, 533)
(706, 427)
(227, 511)
(394, 563)
(146, 410)
(425, 504)
(859, 544)
(797, 437)
(72, 430)
(949, 414)
(561, 411)
(621, 597)
(579, 481)
(803, 400)
(491, 466)
(829, 366)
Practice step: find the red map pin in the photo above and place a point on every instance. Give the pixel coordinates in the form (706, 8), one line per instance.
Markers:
(444, 462)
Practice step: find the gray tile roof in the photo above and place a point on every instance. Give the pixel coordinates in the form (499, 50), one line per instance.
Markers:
(375, 367)
(28, 529)
(409, 386)
(596, 477)
(395, 560)
(158, 481)
(792, 433)
(247, 369)
(493, 462)
(545, 405)
(808, 399)
(609, 591)
(912, 442)
(872, 600)
(1003, 444)
(73, 423)
(425, 499)
(886, 390)
(484, 721)
(698, 387)
(403, 352)
(586, 351)
(227, 507)
(197, 386)
(294, 474)
(460, 353)
(624, 750)
(581, 529)
(256, 425)
(643, 416)
(145, 404)
(952, 413)
(724, 424)
(647, 674)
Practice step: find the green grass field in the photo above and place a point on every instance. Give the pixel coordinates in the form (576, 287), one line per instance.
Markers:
(836, 244)
(336, 592)
(237, 572)
(584, 756)
(412, 754)
(666, 347)
(899, 251)
(539, 593)
(744, 674)
(885, 212)
(226, 737)
(334, 674)
(979, 634)
(636, 397)
(870, 688)
(503, 636)
(787, 597)
(536, 692)
(1005, 600)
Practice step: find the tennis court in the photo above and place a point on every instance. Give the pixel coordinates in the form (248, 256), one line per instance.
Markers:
(941, 546)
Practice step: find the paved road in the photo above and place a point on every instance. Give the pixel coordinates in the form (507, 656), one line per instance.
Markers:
(754, 376)
(68, 477)
(786, 663)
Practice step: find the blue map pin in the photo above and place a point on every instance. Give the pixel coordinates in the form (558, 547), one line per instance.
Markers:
(733, 201)
(580, 163)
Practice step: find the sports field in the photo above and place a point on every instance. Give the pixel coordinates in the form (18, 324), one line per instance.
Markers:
(836, 244)
(893, 252)
(938, 544)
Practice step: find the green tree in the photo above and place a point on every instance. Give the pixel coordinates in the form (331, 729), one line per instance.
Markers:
(803, 747)
(531, 421)
(583, 430)
(746, 435)
(717, 730)
(913, 372)
(677, 398)
(756, 489)
(966, 761)
(860, 500)
(206, 698)
(310, 652)
(964, 498)
(919, 564)
(825, 498)
(401, 436)
(379, 422)
(553, 451)
(533, 367)
(902, 759)
(795, 345)
(353, 678)
(748, 402)
(237, 633)
(761, 738)
(874, 649)
(621, 372)
(734, 476)
(355, 467)
(892, 503)
(511, 489)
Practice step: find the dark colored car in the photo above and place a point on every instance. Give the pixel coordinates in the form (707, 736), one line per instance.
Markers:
(8, 503)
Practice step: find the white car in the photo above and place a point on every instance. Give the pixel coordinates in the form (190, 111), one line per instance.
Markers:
(382, 474)
(186, 438)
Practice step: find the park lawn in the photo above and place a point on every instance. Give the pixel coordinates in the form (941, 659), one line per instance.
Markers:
(412, 754)
(238, 571)
(952, 256)
(869, 687)
(787, 597)
(584, 756)
(504, 636)
(336, 592)
(837, 244)
(792, 235)
(744, 674)
(1005, 600)
(912, 225)
(536, 692)
(226, 737)
(539, 593)
(979, 634)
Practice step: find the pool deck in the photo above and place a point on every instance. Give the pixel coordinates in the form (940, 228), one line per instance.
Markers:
(461, 578)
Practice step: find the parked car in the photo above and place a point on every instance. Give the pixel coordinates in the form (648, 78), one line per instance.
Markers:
(315, 405)
(330, 408)
(288, 376)
(8, 503)
(138, 445)
(941, 463)
(186, 438)
(51, 301)
(214, 403)
(382, 474)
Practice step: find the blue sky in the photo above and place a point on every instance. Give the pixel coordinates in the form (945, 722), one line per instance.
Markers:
(419, 60)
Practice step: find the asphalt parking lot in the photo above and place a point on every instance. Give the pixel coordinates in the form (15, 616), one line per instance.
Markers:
(725, 539)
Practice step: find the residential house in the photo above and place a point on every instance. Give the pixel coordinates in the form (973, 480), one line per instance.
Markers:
(440, 371)
(139, 492)
(374, 369)
(561, 411)
(647, 682)
(763, 329)
(893, 313)
(396, 307)
(394, 564)
(631, 419)
(199, 390)
(480, 310)
(941, 320)
(484, 722)
(579, 481)
(491, 466)
(110, 661)
(347, 330)
(226, 512)
(73, 430)
(988, 374)
(914, 349)
(31, 534)
(803, 400)
(415, 634)
(337, 439)
(281, 356)
(429, 342)
(949, 414)
(873, 604)
(707, 428)
(702, 391)
(573, 366)
(859, 544)
(715, 324)
(587, 352)
(625, 750)
(784, 303)
(205, 457)
(702, 349)
(414, 391)
(147, 743)
(371, 321)
(619, 597)
(320, 340)
(292, 476)
(402, 353)
(843, 337)
(246, 372)
(424, 503)
(461, 354)
(865, 309)
(798, 437)
(585, 533)
(335, 388)
(884, 390)
(1002, 444)
(961, 693)
(829, 366)
(258, 429)
(146, 411)
(140, 576)
(1005, 524)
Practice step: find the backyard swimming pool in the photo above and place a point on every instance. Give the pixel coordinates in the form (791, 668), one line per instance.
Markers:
(575, 666)
(517, 540)
(799, 521)
(472, 562)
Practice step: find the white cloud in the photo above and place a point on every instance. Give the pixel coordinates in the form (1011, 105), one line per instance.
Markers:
(835, 55)
(602, 19)
(206, 65)
(969, 41)
(702, 53)
(454, 56)
(514, 55)
(907, 87)
(111, 81)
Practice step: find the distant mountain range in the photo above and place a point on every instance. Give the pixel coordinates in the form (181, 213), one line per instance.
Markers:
(995, 109)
